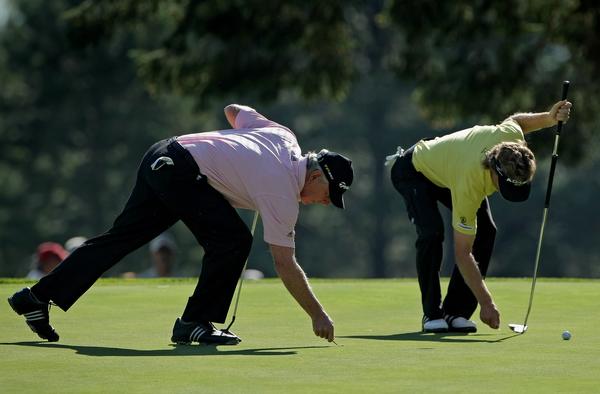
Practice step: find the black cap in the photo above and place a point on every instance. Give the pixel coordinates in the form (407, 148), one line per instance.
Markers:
(338, 172)
(511, 189)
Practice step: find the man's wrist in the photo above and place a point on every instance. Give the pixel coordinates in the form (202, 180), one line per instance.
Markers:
(486, 300)
(550, 120)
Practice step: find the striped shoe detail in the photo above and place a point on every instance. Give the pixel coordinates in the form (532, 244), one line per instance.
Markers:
(197, 333)
(460, 324)
(35, 315)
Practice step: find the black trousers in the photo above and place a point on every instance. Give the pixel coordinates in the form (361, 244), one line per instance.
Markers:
(421, 197)
(169, 187)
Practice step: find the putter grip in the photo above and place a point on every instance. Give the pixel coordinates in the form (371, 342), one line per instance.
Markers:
(565, 91)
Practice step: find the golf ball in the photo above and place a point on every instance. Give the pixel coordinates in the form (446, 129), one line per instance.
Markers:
(566, 335)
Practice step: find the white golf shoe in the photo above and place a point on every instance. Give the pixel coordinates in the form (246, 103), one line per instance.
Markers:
(460, 324)
(434, 325)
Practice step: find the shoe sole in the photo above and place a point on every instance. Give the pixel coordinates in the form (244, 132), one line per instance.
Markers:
(436, 330)
(181, 342)
(465, 330)
(189, 343)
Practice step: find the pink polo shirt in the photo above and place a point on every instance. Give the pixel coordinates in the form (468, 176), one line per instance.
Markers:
(258, 166)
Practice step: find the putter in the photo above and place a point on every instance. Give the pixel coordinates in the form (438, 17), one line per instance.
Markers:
(522, 328)
(241, 280)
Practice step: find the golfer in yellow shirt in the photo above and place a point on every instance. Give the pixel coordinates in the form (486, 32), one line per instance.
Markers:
(460, 170)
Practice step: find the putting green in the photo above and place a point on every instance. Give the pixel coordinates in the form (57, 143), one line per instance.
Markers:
(116, 339)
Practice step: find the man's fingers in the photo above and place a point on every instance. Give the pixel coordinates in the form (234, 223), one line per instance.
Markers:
(493, 323)
(562, 115)
(563, 110)
(491, 318)
(325, 333)
(560, 105)
(323, 328)
(321, 333)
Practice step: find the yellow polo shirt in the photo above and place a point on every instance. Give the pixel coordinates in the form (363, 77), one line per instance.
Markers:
(454, 162)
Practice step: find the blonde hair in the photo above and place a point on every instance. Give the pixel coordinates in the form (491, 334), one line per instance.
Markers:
(515, 159)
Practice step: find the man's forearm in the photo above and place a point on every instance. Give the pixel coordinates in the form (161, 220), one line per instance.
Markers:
(296, 283)
(534, 121)
(472, 276)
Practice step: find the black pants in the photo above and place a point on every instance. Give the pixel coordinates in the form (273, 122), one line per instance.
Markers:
(174, 190)
(421, 197)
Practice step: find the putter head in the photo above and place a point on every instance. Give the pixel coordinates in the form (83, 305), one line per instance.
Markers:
(518, 328)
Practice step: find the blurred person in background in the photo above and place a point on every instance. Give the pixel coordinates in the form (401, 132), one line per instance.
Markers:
(48, 256)
(74, 242)
(163, 251)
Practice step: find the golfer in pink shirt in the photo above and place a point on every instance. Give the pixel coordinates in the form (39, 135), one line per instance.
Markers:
(200, 179)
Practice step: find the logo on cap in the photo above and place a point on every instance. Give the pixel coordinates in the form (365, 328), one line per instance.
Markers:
(511, 189)
(326, 167)
(338, 167)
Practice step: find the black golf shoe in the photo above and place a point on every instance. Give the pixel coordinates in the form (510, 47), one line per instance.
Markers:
(36, 313)
(185, 333)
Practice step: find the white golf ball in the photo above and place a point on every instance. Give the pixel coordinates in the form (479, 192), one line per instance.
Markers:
(566, 335)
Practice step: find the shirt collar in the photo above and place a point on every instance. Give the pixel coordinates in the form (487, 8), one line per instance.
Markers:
(488, 183)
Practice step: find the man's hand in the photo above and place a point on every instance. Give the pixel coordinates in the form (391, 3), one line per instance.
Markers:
(561, 111)
(490, 315)
(323, 327)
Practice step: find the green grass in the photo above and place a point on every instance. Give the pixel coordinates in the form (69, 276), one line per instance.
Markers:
(116, 339)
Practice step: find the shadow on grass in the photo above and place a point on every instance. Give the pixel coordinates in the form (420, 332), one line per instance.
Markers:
(176, 350)
(448, 337)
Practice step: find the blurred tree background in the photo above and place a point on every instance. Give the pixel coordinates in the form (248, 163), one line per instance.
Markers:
(88, 86)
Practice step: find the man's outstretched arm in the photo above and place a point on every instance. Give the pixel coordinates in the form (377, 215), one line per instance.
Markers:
(463, 246)
(296, 282)
(535, 121)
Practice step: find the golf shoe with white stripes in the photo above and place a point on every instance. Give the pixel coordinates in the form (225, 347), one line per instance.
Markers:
(434, 325)
(460, 324)
(36, 313)
(185, 333)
